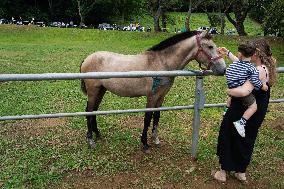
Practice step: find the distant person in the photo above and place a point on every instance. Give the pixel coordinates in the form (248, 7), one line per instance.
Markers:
(13, 20)
(33, 21)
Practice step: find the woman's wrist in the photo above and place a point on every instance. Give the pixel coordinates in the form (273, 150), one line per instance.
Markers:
(228, 53)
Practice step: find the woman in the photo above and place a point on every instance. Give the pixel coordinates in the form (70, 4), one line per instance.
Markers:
(233, 150)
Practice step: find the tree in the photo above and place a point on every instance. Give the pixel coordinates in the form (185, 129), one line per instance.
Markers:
(155, 9)
(84, 7)
(240, 9)
(158, 10)
(221, 15)
(124, 9)
(192, 5)
(274, 19)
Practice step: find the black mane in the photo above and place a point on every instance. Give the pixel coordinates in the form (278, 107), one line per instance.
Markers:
(172, 40)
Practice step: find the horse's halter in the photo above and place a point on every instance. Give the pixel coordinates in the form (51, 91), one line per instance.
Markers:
(209, 57)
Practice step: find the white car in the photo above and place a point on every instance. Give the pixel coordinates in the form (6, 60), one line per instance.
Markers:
(203, 28)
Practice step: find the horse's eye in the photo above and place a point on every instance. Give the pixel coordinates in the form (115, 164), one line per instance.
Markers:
(210, 47)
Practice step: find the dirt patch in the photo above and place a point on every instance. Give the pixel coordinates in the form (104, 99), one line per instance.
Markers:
(133, 122)
(277, 124)
(36, 127)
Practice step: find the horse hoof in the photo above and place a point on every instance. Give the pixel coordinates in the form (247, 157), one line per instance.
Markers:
(156, 141)
(146, 149)
(98, 137)
(91, 143)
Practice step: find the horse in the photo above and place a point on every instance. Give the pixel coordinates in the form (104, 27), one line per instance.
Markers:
(173, 53)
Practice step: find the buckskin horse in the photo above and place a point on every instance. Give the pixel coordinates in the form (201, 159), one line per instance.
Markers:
(173, 53)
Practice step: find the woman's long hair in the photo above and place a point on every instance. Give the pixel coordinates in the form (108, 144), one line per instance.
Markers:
(263, 51)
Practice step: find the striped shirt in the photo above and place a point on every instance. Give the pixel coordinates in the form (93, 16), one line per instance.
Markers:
(240, 71)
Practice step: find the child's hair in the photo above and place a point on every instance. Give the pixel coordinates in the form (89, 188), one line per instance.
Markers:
(263, 51)
(247, 49)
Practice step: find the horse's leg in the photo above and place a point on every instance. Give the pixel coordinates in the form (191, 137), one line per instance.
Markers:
(98, 101)
(94, 99)
(89, 136)
(156, 119)
(147, 122)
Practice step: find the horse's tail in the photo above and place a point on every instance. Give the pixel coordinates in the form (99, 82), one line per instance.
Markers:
(83, 86)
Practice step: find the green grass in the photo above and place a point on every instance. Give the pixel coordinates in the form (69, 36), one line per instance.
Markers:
(45, 153)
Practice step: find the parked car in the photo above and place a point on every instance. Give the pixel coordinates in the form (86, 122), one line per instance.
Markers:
(205, 28)
(4, 21)
(26, 22)
(105, 26)
(40, 24)
(133, 28)
(213, 31)
(57, 24)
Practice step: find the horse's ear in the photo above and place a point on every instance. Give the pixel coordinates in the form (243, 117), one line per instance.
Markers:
(205, 34)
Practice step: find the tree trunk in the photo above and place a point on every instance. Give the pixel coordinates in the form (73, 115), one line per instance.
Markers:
(240, 28)
(80, 13)
(164, 21)
(157, 24)
(157, 16)
(239, 24)
(187, 19)
(240, 10)
(222, 19)
(222, 23)
(50, 6)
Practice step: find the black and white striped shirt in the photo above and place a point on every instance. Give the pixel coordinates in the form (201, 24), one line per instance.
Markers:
(240, 71)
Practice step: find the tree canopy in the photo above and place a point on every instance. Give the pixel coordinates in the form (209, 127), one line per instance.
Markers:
(92, 12)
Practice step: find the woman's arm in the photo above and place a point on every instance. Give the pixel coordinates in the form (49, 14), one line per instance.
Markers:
(263, 77)
(241, 91)
(225, 52)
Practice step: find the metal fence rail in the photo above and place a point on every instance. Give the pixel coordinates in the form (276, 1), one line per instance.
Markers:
(199, 103)
(104, 75)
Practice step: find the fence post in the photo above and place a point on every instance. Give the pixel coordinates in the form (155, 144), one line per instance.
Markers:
(198, 106)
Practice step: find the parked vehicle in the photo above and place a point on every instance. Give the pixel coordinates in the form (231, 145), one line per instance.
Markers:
(213, 31)
(105, 26)
(57, 24)
(4, 21)
(133, 28)
(205, 28)
(40, 24)
(26, 22)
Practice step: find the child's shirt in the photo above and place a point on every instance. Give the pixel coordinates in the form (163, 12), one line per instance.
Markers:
(238, 72)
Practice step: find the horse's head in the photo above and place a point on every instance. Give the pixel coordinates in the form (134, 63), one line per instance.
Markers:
(207, 55)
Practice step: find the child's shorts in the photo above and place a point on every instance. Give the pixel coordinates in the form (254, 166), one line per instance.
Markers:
(247, 100)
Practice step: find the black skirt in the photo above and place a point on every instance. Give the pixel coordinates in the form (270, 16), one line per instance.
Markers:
(233, 150)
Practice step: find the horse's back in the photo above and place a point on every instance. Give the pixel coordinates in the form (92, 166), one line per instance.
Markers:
(109, 61)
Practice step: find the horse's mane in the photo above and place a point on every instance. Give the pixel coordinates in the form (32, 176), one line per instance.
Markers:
(172, 40)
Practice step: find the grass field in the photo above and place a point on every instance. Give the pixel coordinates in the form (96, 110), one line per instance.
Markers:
(52, 153)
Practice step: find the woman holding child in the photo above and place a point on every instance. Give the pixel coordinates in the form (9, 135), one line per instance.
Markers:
(235, 147)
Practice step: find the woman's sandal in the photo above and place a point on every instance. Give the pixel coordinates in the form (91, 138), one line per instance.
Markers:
(218, 176)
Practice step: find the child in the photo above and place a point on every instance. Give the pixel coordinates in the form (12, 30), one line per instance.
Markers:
(237, 73)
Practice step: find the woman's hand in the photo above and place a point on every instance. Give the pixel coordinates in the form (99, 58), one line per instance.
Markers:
(241, 91)
(223, 51)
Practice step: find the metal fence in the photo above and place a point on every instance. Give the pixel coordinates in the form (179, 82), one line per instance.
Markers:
(199, 103)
